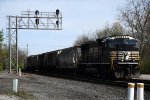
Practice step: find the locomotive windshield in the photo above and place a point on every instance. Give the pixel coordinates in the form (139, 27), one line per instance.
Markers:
(123, 44)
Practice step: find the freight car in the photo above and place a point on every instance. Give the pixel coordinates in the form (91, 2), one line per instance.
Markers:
(112, 56)
(31, 63)
(50, 60)
(67, 58)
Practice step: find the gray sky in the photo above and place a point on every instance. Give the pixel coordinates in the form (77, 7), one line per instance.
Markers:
(79, 16)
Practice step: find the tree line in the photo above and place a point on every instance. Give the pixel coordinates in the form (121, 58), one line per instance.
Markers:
(134, 20)
(4, 54)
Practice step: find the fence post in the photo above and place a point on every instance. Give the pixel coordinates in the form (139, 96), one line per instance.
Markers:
(140, 91)
(131, 91)
(15, 85)
(19, 71)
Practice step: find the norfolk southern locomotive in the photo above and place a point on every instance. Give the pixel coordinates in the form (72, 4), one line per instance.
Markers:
(112, 56)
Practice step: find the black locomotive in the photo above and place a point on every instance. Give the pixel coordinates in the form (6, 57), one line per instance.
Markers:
(112, 56)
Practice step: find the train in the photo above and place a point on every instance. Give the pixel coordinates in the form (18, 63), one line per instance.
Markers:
(114, 56)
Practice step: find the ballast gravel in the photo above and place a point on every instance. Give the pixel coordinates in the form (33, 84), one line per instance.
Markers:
(52, 88)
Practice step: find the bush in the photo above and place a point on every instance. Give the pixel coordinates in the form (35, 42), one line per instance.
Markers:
(146, 67)
(21, 66)
(1, 66)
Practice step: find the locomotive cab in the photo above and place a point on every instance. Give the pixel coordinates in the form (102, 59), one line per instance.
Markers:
(124, 56)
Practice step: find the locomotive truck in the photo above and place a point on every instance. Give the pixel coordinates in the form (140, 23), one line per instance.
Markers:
(112, 56)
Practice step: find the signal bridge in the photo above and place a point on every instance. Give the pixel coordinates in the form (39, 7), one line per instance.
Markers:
(34, 20)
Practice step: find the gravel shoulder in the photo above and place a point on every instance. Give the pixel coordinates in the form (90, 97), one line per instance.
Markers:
(52, 88)
(145, 77)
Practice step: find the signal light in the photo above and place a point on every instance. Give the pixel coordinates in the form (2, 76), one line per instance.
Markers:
(57, 23)
(57, 12)
(37, 21)
(36, 12)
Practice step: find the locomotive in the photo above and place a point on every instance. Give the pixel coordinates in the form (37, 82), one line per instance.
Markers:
(112, 56)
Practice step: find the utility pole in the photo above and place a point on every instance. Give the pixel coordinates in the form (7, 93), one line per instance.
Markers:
(27, 51)
(33, 20)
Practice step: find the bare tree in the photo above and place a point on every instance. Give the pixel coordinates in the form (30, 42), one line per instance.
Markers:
(81, 39)
(115, 29)
(136, 16)
(21, 55)
(1, 38)
(103, 32)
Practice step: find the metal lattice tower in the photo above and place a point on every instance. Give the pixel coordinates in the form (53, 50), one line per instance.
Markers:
(29, 20)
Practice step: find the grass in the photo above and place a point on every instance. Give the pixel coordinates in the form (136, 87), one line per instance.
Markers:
(22, 94)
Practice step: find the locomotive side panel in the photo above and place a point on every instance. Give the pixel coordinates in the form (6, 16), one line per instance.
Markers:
(103, 52)
(95, 53)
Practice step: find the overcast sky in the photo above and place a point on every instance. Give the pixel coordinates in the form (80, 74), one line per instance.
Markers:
(79, 16)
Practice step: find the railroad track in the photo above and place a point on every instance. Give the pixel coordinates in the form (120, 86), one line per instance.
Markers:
(123, 82)
(98, 80)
